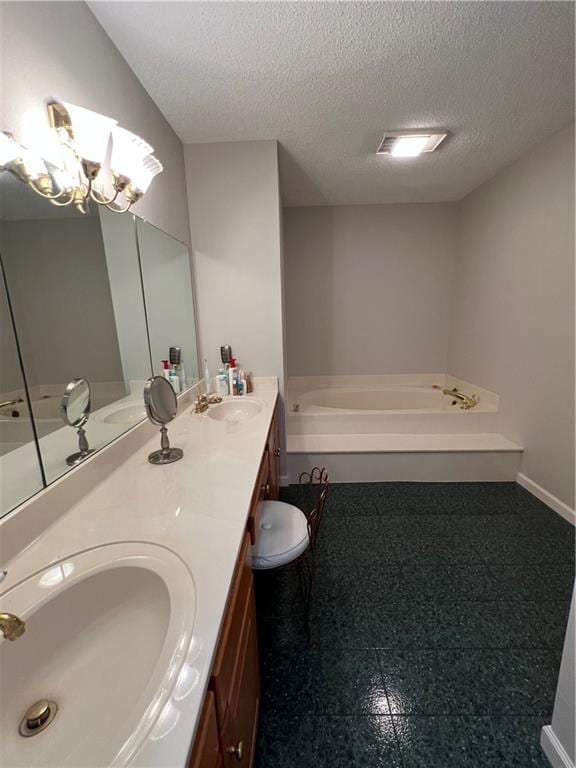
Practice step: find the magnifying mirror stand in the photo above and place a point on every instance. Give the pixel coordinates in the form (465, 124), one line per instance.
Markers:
(85, 450)
(165, 455)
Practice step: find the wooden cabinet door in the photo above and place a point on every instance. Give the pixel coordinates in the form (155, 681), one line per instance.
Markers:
(206, 752)
(261, 493)
(274, 459)
(240, 731)
(227, 663)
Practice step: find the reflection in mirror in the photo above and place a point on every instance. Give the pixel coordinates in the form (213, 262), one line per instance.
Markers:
(75, 409)
(167, 280)
(75, 288)
(161, 407)
(20, 471)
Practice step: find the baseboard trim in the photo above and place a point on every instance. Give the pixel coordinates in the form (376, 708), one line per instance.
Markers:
(554, 750)
(548, 498)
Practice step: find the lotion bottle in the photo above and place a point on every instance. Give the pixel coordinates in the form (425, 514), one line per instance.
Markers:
(222, 383)
(174, 380)
(232, 377)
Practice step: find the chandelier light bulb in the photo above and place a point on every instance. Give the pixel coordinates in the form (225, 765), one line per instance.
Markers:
(128, 153)
(144, 173)
(91, 133)
(9, 150)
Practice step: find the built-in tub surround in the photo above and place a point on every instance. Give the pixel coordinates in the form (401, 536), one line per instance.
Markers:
(196, 508)
(388, 427)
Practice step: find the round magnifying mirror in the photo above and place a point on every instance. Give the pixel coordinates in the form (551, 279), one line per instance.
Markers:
(75, 406)
(161, 408)
(75, 410)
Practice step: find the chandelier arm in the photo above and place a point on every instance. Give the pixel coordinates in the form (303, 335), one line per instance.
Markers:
(69, 201)
(102, 200)
(45, 195)
(120, 210)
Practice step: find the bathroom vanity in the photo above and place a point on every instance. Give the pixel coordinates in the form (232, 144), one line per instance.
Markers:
(226, 735)
(129, 556)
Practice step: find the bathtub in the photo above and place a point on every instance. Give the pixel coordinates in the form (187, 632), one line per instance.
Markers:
(386, 405)
(391, 398)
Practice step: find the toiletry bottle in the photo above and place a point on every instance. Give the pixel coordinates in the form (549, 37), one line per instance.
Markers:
(241, 383)
(222, 383)
(166, 369)
(249, 383)
(174, 380)
(232, 374)
(176, 363)
(207, 377)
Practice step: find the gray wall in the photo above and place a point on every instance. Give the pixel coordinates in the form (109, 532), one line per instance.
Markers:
(58, 282)
(10, 373)
(513, 320)
(59, 49)
(369, 288)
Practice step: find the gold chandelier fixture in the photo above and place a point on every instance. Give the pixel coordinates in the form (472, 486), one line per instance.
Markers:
(98, 161)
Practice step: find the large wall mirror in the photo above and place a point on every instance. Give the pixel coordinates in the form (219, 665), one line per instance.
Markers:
(169, 299)
(100, 298)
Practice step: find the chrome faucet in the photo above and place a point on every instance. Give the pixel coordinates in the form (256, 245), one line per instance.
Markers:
(11, 626)
(466, 402)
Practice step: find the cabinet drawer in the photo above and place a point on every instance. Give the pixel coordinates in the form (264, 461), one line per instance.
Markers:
(229, 647)
(206, 752)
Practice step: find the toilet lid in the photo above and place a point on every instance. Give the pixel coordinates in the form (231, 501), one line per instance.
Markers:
(281, 535)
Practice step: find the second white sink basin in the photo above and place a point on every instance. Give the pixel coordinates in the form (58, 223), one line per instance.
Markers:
(107, 632)
(235, 410)
(125, 414)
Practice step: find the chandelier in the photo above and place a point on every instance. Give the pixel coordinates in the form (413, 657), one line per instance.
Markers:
(97, 161)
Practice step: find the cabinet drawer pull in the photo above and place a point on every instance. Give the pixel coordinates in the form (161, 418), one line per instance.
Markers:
(277, 452)
(238, 750)
(266, 489)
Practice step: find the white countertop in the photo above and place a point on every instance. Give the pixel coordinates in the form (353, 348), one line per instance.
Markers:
(197, 508)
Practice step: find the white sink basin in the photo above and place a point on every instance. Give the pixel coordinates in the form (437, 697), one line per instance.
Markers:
(235, 410)
(107, 633)
(126, 414)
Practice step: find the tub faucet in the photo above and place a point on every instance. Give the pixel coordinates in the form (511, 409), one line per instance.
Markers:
(11, 626)
(466, 401)
(6, 403)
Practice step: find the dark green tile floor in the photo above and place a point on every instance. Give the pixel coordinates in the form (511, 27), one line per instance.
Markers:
(437, 626)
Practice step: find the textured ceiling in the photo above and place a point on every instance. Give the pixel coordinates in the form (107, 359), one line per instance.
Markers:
(326, 80)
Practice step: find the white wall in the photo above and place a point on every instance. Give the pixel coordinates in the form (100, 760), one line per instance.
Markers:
(235, 224)
(559, 739)
(59, 49)
(368, 288)
(513, 320)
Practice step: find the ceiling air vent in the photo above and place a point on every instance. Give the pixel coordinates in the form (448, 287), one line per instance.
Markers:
(410, 143)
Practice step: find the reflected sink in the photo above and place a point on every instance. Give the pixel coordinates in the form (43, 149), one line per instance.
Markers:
(235, 410)
(126, 414)
(107, 632)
